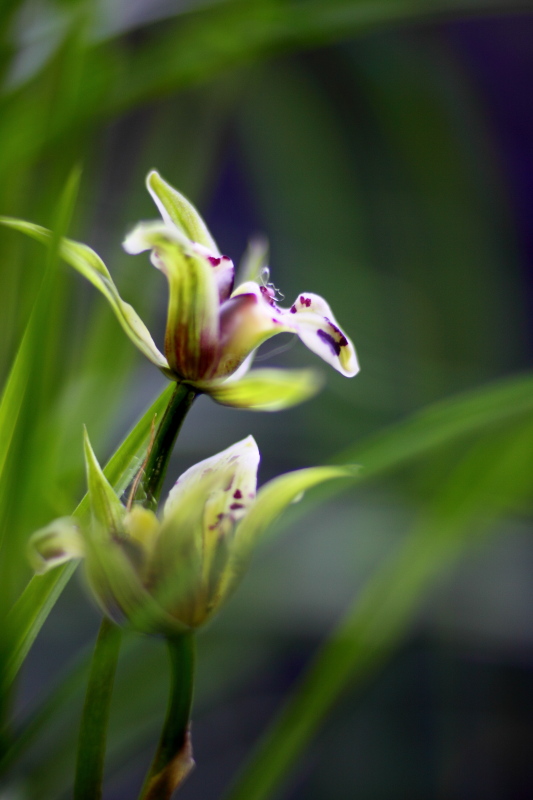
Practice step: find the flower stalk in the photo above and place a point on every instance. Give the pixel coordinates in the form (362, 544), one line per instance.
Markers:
(92, 739)
(173, 759)
(95, 716)
(159, 454)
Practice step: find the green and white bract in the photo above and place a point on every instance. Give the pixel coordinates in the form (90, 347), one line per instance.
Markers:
(172, 574)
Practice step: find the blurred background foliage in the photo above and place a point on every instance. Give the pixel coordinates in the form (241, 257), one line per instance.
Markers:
(385, 149)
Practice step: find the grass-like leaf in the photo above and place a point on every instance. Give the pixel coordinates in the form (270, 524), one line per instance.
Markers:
(494, 476)
(475, 411)
(90, 265)
(29, 350)
(206, 43)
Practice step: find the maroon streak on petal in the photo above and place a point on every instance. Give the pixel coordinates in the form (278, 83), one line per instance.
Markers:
(329, 340)
(343, 341)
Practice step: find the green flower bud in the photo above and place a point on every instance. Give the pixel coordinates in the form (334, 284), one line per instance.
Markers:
(172, 574)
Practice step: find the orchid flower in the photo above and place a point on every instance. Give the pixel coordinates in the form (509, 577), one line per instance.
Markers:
(213, 329)
(172, 574)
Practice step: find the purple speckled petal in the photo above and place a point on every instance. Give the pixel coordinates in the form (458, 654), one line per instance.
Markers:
(313, 321)
(199, 521)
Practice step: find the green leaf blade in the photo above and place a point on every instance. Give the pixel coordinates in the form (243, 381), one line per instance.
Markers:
(40, 595)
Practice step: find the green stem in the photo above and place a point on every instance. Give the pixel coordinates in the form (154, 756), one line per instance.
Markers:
(173, 759)
(92, 741)
(158, 458)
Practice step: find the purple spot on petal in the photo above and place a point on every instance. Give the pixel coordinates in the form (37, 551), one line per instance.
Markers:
(328, 339)
(293, 309)
(216, 525)
(235, 506)
(268, 295)
(218, 522)
(214, 261)
(237, 494)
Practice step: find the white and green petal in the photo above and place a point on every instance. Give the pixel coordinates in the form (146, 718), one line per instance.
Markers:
(177, 210)
(57, 543)
(209, 498)
(191, 339)
(310, 317)
(199, 520)
(313, 321)
(90, 265)
(246, 321)
(267, 389)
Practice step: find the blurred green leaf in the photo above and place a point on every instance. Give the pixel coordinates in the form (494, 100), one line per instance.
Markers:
(90, 265)
(199, 46)
(234, 33)
(477, 411)
(455, 420)
(24, 388)
(490, 480)
(30, 351)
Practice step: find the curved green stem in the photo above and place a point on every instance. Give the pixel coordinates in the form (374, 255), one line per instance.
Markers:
(158, 458)
(173, 759)
(92, 741)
